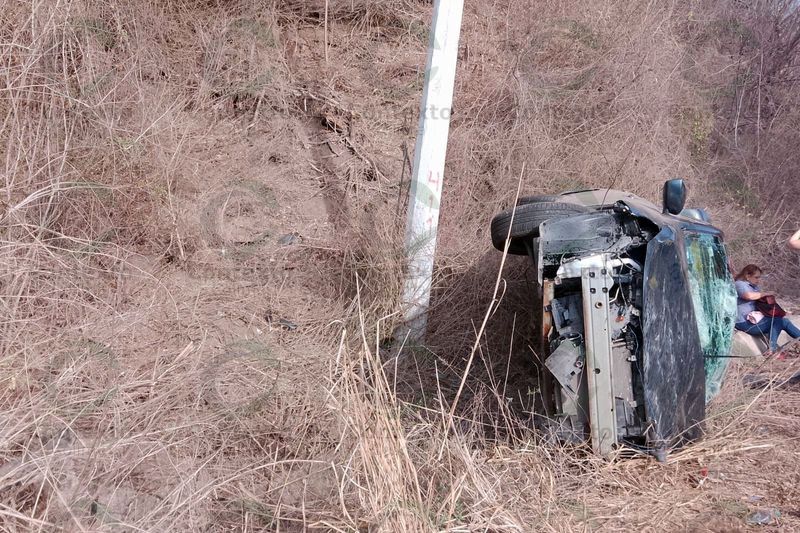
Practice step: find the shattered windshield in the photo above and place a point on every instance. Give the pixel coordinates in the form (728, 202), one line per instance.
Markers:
(714, 299)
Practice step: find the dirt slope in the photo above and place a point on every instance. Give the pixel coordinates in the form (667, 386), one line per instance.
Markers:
(202, 211)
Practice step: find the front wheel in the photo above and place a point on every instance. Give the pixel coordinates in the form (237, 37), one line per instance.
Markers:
(526, 221)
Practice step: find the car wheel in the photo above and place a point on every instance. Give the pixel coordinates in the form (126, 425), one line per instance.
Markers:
(524, 200)
(527, 218)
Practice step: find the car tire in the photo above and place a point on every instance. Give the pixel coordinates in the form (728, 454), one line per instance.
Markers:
(526, 221)
(524, 200)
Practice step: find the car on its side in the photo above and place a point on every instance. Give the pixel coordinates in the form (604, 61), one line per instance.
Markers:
(637, 312)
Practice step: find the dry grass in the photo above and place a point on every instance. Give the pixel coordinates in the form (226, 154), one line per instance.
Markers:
(169, 365)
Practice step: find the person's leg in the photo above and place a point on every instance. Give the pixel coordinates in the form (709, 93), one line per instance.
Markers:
(753, 329)
(775, 330)
(761, 330)
(792, 330)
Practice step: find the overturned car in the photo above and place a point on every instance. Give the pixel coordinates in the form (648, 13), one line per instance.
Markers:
(637, 312)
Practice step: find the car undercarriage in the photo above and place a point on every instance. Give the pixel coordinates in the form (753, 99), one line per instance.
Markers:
(636, 317)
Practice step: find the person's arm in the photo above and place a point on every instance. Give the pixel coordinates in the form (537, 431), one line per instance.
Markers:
(794, 241)
(748, 292)
(754, 295)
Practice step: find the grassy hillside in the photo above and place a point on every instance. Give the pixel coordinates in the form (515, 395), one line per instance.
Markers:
(201, 214)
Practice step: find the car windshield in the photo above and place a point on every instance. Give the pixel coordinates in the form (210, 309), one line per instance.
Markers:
(714, 299)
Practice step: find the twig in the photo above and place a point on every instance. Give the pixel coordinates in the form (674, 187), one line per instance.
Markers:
(326, 32)
(353, 148)
(758, 110)
(400, 194)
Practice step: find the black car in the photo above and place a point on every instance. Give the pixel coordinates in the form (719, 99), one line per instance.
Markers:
(637, 313)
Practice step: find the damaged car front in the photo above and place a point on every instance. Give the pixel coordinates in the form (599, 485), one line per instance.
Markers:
(637, 311)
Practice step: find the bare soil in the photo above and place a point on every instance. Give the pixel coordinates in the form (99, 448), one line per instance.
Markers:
(201, 222)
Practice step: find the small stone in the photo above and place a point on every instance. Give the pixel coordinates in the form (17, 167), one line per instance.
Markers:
(287, 324)
(290, 238)
(763, 517)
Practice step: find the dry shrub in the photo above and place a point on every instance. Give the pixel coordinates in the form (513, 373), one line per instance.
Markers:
(364, 459)
(361, 14)
(747, 131)
(606, 120)
(144, 391)
(421, 470)
(95, 420)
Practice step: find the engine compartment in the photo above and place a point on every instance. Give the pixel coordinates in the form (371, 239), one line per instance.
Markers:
(592, 270)
(614, 310)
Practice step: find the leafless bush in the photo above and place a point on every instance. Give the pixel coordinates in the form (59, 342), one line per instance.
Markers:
(142, 392)
(752, 160)
(364, 14)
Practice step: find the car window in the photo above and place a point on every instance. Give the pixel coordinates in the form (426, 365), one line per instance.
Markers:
(714, 299)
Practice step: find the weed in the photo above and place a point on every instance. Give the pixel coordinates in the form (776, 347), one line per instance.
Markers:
(262, 32)
(733, 34)
(583, 34)
(735, 186)
(581, 80)
(105, 35)
(146, 385)
(700, 124)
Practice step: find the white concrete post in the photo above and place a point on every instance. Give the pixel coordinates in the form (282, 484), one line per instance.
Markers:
(429, 157)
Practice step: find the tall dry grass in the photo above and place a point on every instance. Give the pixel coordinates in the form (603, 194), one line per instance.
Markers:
(100, 428)
(135, 395)
(755, 138)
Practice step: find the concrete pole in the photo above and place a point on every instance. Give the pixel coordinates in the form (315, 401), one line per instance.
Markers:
(429, 157)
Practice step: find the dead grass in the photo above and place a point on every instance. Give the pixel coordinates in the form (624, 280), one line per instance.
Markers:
(168, 365)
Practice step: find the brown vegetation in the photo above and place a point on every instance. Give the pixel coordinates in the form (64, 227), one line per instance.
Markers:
(200, 218)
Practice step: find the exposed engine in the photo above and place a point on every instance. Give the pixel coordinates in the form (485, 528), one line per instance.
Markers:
(592, 282)
(614, 307)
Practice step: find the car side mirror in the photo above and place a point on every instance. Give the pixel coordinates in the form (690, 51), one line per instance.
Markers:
(674, 196)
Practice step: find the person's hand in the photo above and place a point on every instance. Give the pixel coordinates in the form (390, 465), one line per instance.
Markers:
(794, 241)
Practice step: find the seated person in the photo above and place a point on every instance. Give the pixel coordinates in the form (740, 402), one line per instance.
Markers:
(748, 319)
